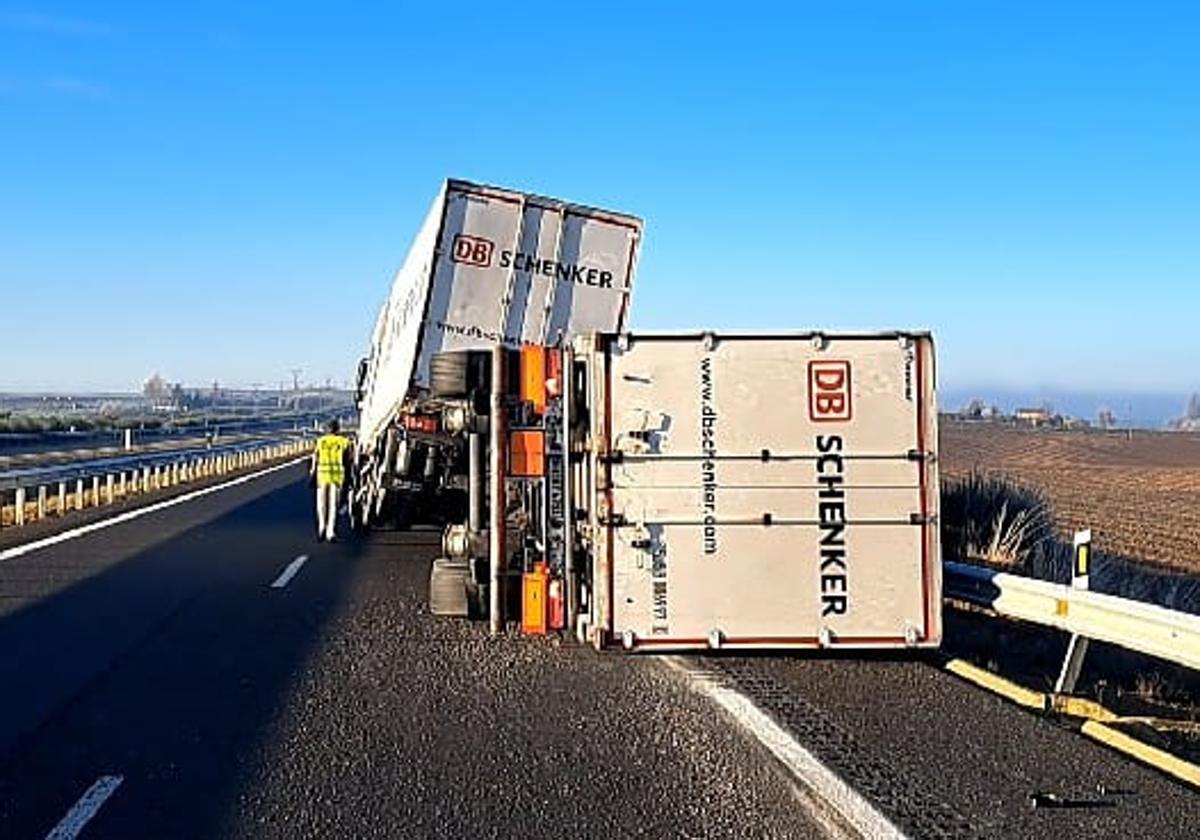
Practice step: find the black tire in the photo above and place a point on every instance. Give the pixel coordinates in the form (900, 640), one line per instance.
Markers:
(448, 374)
(452, 505)
(402, 512)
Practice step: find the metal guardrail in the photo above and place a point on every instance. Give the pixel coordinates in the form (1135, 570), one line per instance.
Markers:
(1145, 628)
(57, 490)
(33, 475)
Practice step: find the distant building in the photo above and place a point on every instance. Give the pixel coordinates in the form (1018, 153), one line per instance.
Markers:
(1033, 416)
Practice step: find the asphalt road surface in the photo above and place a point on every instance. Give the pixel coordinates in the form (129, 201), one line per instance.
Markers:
(199, 680)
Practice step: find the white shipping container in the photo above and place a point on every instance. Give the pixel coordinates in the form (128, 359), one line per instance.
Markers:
(490, 266)
(766, 491)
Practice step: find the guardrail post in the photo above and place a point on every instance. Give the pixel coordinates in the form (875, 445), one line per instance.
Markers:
(95, 491)
(41, 502)
(109, 481)
(62, 497)
(19, 513)
(1078, 645)
(79, 494)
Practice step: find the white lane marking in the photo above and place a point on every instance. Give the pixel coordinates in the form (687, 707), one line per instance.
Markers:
(82, 811)
(849, 804)
(17, 551)
(290, 572)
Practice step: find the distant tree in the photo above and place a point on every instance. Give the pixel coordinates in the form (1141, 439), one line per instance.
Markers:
(974, 409)
(178, 398)
(156, 390)
(1105, 419)
(1193, 408)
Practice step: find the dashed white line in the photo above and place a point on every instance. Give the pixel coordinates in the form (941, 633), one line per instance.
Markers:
(290, 572)
(17, 551)
(87, 807)
(826, 785)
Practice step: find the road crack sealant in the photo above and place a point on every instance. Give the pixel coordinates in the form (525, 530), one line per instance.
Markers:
(905, 800)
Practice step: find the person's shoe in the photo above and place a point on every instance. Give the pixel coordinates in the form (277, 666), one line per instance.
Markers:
(331, 539)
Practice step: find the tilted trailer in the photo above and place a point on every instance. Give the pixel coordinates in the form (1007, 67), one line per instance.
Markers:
(489, 266)
(710, 490)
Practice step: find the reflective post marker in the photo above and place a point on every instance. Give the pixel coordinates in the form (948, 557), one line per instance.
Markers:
(1083, 559)
(1077, 647)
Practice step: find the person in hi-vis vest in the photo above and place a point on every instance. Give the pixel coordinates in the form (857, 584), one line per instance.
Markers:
(328, 470)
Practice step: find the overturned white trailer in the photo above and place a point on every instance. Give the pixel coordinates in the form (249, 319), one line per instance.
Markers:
(711, 490)
(762, 490)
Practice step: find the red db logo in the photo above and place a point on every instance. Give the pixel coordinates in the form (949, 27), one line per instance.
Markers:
(829, 391)
(472, 250)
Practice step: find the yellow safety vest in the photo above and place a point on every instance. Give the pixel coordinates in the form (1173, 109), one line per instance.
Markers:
(330, 449)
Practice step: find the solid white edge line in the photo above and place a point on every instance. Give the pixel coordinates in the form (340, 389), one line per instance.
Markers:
(849, 804)
(17, 551)
(290, 572)
(87, 807)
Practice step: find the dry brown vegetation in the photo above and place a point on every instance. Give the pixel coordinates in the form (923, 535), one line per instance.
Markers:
(1140, 495)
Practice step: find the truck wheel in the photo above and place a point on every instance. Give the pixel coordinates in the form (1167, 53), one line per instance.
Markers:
(448, 588)
(448, 374)
(402, 514)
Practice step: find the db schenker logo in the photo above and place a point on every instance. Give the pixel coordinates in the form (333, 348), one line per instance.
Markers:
(472, 250)
(829, 391)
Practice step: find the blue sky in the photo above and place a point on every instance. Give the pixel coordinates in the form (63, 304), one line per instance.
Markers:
(223, 192)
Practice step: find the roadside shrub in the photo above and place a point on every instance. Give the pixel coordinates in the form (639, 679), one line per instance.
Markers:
(992, 519)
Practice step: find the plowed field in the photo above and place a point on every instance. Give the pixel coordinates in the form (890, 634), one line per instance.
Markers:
(1140, 495)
